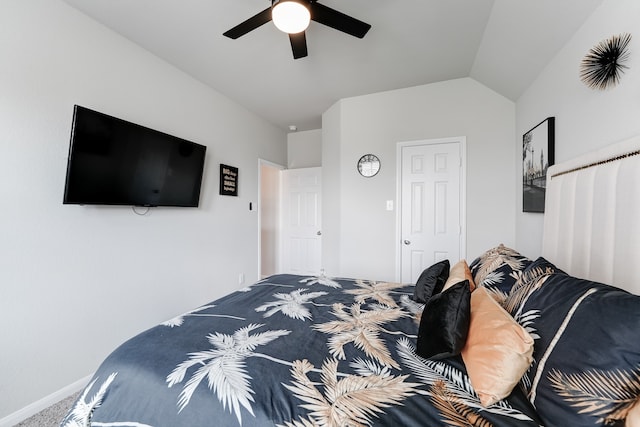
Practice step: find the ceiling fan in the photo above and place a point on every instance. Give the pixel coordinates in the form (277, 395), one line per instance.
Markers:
(298, 13)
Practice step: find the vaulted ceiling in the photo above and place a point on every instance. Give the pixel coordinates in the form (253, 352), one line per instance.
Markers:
(503, 44)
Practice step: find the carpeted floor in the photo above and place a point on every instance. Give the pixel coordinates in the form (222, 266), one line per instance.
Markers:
(51, 416)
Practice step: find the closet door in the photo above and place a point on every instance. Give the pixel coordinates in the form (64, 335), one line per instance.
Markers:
(431, 206)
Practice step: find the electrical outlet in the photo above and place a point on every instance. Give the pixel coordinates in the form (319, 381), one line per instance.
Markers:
(241, 278)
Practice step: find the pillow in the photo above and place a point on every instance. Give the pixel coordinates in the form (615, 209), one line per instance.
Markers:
(498, 350)
(531, 277)
(633, 417)
(498, 267)
(431, 281)
(459, 272)
(445, 323)
(586, 368)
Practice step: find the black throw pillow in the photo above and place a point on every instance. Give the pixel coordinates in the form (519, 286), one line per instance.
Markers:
(431, 281)
(445, 323)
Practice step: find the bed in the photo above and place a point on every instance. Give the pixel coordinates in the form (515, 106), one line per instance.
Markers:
(297, 351)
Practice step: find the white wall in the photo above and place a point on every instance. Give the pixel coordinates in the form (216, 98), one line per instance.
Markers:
(304, 149)
(77, 281)
(331, 189)
(355, 219)
(586, 119)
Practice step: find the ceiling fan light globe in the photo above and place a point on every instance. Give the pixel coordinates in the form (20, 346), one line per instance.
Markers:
(290, 16)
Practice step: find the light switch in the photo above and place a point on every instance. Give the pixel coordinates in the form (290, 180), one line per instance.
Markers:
(389, 205)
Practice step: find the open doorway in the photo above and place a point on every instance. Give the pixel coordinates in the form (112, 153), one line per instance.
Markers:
(269, 222)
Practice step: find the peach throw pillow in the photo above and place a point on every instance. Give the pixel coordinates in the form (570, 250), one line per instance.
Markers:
(633, 417)
(498, 350)
(459, 272)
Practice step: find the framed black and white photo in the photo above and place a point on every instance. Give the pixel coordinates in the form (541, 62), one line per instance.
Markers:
(537, 156)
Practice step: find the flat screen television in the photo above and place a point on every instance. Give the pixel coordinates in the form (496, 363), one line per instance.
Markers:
(116, 162)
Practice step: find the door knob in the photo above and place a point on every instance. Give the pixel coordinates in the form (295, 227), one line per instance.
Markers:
(319, 233)
(407, 242)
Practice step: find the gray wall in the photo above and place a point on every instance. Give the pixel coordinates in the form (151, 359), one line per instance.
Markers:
(304, 149)
(75, 281)
(585, 119)
(359, 234)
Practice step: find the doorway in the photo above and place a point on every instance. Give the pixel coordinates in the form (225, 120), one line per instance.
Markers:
(290, 238)
(432, 220)
(269, 214)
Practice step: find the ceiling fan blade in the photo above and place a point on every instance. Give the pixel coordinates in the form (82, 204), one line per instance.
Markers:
(249, 25)
(298, 45)
(338, 20)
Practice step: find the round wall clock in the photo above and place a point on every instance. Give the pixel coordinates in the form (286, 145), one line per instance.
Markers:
(368, 165)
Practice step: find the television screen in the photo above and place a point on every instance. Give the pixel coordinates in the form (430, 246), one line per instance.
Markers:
(115, 162)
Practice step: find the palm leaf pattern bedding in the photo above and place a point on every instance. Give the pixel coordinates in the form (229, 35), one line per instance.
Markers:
(586, 368)
(290, 351)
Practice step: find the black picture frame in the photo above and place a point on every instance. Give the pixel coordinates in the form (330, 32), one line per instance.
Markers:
(228, 180)
(538, 153)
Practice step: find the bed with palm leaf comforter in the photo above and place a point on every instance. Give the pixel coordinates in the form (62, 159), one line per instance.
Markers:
(540, 347)
(297, 351)
(290, 351)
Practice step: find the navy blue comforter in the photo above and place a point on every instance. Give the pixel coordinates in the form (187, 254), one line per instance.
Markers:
(289, 351)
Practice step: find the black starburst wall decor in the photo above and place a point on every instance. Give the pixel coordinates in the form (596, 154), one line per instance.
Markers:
(603, 65)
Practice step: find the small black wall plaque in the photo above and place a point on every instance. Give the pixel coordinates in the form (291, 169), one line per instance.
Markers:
(228, 180)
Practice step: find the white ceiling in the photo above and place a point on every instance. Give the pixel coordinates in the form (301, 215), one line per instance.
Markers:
(503, 44)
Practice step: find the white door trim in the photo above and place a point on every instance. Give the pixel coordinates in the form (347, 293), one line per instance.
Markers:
(462, 140)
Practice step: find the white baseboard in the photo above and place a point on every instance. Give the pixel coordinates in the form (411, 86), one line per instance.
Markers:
(35, 407)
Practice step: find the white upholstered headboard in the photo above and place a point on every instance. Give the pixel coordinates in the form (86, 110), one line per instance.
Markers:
(592, 215)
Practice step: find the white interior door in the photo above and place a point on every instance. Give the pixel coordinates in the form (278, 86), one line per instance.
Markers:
(431, 205)
(301, 221)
